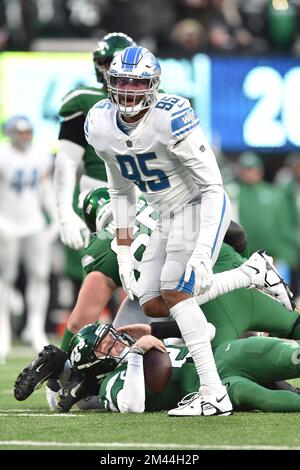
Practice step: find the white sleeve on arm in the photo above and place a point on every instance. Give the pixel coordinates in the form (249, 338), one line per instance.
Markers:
(131, 399)
(195, 153)
(122, 196)
(67, 161)
(213, 205)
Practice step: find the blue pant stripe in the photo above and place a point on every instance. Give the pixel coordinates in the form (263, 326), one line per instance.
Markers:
(219, 226)
(186, 286)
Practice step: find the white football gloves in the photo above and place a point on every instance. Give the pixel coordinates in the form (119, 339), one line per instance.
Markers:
(201, 264)
(126, 270)
(73, 231)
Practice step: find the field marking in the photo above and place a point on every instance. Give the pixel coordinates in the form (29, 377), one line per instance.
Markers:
(144, 445)
(17, 410)
(50, 415)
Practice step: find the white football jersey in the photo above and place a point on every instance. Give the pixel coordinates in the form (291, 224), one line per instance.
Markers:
(21, 174)
(167, 155)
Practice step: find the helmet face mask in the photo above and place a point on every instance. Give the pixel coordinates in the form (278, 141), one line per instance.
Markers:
(99, 349)
(133, 80)
(105, 51)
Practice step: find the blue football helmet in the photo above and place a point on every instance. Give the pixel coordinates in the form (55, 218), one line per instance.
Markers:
(17, 123)
(138, 67)
(19, 129)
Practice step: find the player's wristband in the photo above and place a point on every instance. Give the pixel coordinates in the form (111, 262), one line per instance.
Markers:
(138, 351)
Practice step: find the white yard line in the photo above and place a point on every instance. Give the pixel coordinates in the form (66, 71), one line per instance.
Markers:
(7, 391)
(17, 410)
(143, 445)
(50, 415)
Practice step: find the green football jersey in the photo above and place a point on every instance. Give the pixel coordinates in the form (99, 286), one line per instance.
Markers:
(77, 102)
(184, 380)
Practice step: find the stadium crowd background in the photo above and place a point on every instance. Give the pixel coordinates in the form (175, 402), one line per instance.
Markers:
(263, 183)
(172, 27)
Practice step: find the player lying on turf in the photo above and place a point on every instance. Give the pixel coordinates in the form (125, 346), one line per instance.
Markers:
(100, 263)
(111, 365)
(102, 276)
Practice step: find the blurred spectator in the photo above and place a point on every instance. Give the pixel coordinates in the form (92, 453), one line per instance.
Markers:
(265, 212)
(253, 15)
(21, 18)
(3, 26)
(82, 17)
(25, 236)
(147, 21)
(222, 22)
(289, 179)
(225, 28)
(281, 24)
(187, 38)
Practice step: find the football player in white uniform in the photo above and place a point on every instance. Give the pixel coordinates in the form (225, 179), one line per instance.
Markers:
(26, 190)
(154, 141)
(73, 150)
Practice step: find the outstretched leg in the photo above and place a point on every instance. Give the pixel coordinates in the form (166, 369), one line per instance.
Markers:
(49, 363)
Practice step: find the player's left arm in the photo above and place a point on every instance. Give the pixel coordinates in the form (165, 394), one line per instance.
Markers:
(194, 152)
(131, 399)
(192, 149)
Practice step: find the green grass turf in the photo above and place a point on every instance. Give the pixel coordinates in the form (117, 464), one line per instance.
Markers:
(98, 430)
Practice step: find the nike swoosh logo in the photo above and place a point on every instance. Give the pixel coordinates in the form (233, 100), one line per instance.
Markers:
(39, 367)
(74, 390)
(228, 347)
(180, 105)
(253, 267)
(218, 400)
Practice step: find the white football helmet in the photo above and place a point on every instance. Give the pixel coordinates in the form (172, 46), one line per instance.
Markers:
(133, 80)
(20, 131)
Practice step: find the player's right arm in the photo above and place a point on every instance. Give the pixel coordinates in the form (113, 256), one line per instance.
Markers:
(123, 203)
(71, 148)
(122, 196)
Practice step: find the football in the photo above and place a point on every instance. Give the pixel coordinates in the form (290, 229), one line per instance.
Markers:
(157, 370)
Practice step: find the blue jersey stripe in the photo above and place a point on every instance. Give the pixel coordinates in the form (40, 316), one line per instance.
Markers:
(186, 129)
(220, 223)
(181, 111)
(180, 122)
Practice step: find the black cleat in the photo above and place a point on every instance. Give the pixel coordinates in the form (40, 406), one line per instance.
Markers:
(78, 387)
(48, 364)
(74, 390)
(54, 385)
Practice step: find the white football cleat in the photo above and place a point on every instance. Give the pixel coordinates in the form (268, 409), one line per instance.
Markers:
(255, 268)
(204, 403)
(263, 275)
(275, 285)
